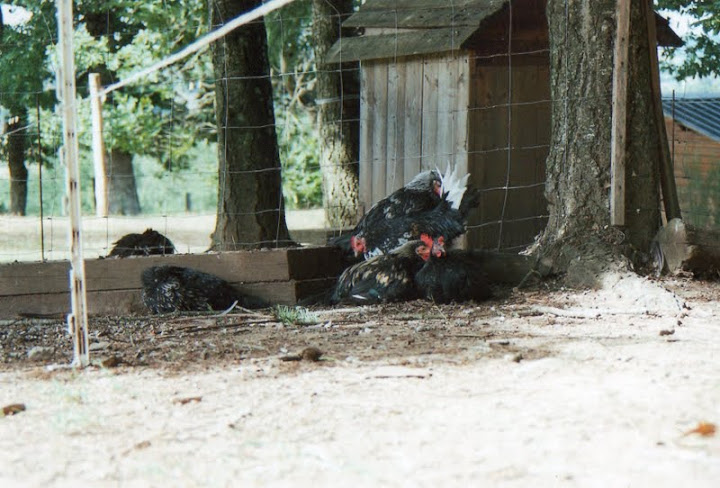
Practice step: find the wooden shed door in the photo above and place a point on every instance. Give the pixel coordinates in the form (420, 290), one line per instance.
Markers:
(414, 117)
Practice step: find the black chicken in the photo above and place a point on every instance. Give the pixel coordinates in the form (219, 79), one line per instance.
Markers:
(452, 276)
(421, 194)
(446, 218)
(384, 278)
(145, 244)
(172, 289)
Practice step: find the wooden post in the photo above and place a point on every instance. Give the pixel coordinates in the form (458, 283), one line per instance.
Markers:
(671, 202)
(98, 146)
(77, 318)
(619, 114)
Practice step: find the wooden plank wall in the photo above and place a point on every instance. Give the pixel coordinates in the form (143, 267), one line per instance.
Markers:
(113, 285)
(414, 113)
(697, 175)
(529, 122)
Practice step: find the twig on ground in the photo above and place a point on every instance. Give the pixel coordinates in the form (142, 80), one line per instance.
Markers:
(588, 314)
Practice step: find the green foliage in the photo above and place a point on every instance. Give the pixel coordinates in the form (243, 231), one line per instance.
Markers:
(295, 315)
(299, 154)
(290, 52)
(292, 64)
(701, 52)
(161, 116)
(165, 120)
(23, 67)
(164, 192)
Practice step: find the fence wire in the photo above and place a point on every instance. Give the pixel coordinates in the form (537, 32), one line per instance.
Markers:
(169, 179)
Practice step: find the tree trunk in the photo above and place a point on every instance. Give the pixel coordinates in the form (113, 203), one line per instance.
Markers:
(338, 116)
(17, 142)
(251, 211)
(122, 190)
(579, 239)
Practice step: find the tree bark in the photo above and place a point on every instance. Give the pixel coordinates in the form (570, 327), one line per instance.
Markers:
(122, 189)
(251, 211)
(578, 238)
(17, 142)
(337, 88)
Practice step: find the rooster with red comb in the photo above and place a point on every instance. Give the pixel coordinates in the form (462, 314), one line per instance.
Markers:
(432, 203)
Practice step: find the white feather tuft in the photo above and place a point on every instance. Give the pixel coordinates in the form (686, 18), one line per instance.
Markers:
(454, 185)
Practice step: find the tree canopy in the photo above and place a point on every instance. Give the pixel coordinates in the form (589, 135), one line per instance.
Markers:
(701, 53)
(163, 116)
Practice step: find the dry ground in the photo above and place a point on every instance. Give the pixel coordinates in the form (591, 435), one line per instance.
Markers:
(538, 388)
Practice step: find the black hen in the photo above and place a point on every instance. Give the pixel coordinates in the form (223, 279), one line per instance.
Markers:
(173, 289)
(384, 278)
(446, 218)
(421, 194)
(453, 276)
(145, 244)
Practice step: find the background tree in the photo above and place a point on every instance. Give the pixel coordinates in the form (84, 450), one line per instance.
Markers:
(251, 211)
(579, 239)
(154, 118)
(22, 75)
(338, 116)
(17, 135)
(164, 118)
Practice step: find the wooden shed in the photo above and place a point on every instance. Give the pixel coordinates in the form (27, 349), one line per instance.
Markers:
(693, 127)
(467, 83)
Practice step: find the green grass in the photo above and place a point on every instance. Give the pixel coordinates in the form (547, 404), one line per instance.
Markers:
(295, 315)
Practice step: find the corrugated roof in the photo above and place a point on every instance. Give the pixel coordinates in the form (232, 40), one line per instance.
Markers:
(699, 114)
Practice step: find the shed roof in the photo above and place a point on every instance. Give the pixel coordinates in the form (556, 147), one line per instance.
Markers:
(430, 26)
(699, 114)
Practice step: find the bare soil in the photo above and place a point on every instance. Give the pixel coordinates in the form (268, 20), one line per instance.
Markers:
(541, 387)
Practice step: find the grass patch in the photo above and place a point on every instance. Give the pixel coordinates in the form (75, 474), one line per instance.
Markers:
(295, 315)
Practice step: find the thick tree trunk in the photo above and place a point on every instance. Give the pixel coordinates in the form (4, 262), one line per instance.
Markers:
(122, 190)
(251, 211)
(17, 142)
(578, 238)
(338, 116)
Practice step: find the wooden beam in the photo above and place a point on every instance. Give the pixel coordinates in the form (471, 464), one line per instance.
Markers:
(619, 114)
(667, 172)
(129, 302)
(122, 274)
(279, 276)
(98, 146)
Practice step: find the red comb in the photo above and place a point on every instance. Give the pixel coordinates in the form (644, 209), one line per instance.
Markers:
(427, 240)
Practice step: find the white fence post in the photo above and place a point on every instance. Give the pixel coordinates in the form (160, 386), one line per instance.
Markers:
(77, 319)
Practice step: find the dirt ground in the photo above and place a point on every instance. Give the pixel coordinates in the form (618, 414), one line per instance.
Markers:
(540, 387)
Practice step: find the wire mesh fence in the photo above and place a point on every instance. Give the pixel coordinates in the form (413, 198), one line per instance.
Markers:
(435, 88)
